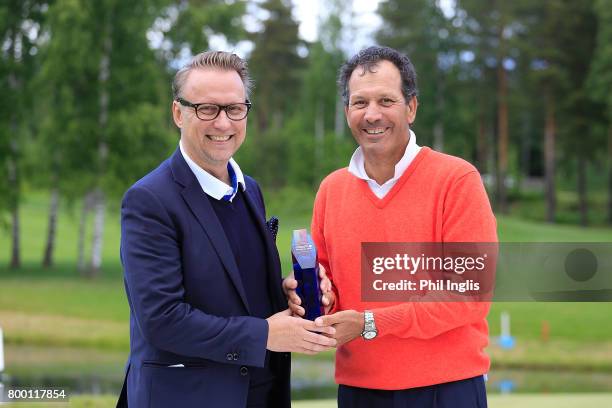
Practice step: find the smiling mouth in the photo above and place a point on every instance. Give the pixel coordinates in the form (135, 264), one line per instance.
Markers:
(224, 138)
(375, 131)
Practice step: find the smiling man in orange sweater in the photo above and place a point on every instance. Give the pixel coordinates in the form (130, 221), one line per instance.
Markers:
(392, 354)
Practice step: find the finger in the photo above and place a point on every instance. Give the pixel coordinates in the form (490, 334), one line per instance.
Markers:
(316, 348)
(322, 328)
(326, 286)
(294, 298)
(297, 310)
(331, 330)
(290, 283)
(311, 327)
(303, 350)
(322, 272)
(322, 321)
(319, 339)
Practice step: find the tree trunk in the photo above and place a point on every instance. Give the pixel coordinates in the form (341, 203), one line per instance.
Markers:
(481, 142)
(525, 151)
(51, 229)
(16, 238)
(582, 191)
(103, 78)
(98, 233)
(549, 158)
(502, 116)
(82, 233)
(438, 129)
(13, 160)
(438, 134)
(13, 181)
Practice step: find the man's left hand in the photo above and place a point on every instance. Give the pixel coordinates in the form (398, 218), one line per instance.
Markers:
(327, 294)
(349, 325)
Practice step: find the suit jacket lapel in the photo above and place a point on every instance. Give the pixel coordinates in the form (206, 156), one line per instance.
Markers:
(200, 206)
(274, 274)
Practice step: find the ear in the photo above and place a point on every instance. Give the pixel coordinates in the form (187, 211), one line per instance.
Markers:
(411, 110)
(177, 115)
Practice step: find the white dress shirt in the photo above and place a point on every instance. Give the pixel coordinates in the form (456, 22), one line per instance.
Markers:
(357, 167)
(211, 185)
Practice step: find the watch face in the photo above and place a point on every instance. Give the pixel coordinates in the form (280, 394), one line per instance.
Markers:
(369, 335)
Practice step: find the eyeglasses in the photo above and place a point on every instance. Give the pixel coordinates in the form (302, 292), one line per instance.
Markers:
(210, 111)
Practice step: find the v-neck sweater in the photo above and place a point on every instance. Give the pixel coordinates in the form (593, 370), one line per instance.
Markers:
(439, 198)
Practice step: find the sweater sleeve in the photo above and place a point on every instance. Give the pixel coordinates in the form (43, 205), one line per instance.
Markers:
(317, 229)
(467, 217)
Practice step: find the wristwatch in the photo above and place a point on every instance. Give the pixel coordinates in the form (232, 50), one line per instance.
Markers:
(369, 329)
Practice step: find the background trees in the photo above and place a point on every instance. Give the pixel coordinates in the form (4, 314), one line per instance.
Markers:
(521, 89)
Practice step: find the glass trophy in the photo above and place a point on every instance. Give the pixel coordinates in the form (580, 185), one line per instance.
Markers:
(306, 272)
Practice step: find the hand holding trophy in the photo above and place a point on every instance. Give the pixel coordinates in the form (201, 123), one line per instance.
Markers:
(308, 289)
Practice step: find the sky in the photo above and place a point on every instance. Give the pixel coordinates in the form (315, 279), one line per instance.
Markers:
(309, 14)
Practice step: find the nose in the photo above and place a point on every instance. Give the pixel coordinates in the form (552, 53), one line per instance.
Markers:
(222, 121)
(372, 113)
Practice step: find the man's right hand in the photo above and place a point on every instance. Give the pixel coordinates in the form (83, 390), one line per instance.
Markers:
(293, 334)
(294, 301)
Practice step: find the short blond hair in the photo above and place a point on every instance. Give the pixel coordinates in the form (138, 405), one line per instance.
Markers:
(213, 59)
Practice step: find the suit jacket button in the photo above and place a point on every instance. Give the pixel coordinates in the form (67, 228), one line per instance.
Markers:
(236, 355)
(229, 356)
(244, 371)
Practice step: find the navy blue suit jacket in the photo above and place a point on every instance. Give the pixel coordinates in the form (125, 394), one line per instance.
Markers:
(187, 301)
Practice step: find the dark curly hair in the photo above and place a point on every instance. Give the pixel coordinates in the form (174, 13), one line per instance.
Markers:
(368, 58)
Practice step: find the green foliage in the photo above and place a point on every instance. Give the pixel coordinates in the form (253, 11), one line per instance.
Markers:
(52, 126)
(581, 113)
(143, 136)
(20, 23)
(193, 21)
(138, 132)
(419, 29)
(309, 141)
(600, 76)
(275, 65)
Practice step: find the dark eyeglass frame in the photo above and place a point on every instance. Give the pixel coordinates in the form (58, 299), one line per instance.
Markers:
(220, 108)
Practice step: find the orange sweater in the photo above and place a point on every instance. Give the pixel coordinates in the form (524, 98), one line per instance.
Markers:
(439, 198)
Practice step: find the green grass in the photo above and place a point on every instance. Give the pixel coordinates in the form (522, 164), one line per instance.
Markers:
(495, 401)
(80, 298)
(513, 401)
(517, 230)
(76, 307)
(530, 205)
(34, 213)
(584, 322)
(34, 210)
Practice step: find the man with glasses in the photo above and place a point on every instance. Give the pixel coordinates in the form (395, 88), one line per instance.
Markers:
(209, 324)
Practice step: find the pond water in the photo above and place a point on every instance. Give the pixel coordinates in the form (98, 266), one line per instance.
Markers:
(86, 371)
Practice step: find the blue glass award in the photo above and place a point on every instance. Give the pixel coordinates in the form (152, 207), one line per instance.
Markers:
(306, 272)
